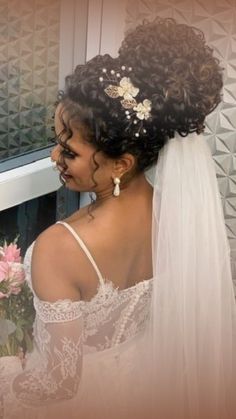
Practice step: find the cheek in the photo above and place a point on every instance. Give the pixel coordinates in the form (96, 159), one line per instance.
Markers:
(82, 172)
(103, 176)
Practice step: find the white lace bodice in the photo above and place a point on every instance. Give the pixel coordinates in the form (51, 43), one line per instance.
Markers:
(65, 331)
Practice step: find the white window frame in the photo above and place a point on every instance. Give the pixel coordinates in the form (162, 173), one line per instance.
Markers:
(106, 26)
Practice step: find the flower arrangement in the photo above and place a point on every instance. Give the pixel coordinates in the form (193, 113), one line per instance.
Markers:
(16, 303)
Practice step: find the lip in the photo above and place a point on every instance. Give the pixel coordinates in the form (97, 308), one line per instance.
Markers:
(65, 176)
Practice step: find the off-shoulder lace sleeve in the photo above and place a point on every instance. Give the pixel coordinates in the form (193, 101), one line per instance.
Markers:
(54, 368)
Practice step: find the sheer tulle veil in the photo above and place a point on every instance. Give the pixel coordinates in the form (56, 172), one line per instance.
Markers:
(190, 344)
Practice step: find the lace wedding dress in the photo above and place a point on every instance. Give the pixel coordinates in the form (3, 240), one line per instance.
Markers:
(82, 363)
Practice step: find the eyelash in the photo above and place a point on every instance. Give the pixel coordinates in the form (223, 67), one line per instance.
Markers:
(68, 154)
(65, 151)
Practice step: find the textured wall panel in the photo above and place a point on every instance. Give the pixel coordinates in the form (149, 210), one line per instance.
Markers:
(29, 57)
(217, 19)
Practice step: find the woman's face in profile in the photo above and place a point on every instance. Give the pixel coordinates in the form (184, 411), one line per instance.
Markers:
(81, 167)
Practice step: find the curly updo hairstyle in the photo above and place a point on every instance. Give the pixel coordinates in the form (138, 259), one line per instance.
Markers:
(172, 66)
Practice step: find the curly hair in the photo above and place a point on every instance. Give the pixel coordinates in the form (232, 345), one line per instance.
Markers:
(172, 66)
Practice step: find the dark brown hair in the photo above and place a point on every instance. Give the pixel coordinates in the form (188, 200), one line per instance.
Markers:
(172, 66)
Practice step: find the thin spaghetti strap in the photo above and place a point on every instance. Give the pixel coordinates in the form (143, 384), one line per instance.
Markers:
(85, 249)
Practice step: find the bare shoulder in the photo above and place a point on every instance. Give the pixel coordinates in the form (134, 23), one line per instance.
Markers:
(51, 243)
(52, 267)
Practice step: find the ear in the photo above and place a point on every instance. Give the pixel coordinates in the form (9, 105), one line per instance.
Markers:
(123, 165)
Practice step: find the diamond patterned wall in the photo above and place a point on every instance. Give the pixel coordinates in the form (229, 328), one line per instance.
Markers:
(29, 58)
(217, 19)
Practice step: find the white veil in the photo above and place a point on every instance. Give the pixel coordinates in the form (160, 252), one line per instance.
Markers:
(193, 313)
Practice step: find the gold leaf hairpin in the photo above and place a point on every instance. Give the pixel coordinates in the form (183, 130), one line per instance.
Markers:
(136, 112)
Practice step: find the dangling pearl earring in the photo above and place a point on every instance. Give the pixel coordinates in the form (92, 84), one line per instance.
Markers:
(116, 191)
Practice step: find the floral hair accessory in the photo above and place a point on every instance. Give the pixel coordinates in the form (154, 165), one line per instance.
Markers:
(136, 112)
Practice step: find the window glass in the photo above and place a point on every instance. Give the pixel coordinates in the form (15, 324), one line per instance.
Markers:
(29, 62)
(28, 220)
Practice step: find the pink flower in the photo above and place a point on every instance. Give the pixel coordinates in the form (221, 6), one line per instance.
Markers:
(4, 289)
(4, 268)
(10, 253)
(12, 277)
(16, 277)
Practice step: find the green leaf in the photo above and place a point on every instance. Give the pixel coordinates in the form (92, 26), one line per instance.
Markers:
(28, 342)
(19, 334)
(21, 322)
(7, 327)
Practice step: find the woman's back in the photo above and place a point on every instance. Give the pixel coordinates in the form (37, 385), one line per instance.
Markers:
(118, 236)
(109, 260)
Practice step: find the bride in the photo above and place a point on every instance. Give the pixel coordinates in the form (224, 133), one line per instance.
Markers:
(135, 311)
